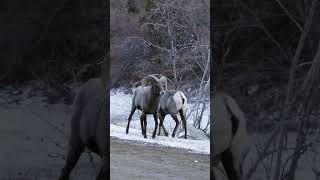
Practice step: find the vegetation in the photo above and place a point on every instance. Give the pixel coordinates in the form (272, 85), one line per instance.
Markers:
(52, 40)
(267, 55)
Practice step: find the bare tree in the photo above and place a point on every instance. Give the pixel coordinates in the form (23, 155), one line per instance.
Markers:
(279, 158)
(286, 113)
(179, 32)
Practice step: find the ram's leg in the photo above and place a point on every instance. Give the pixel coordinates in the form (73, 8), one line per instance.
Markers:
(104, 171)
(160, 124)
(184, 121)
(144, 119)
(76, 147)
(129, 119)
(103, 143)
(228, 164)
(177, 125)
(212, 174)
(142, 127)
(155, 116)
(161, 117)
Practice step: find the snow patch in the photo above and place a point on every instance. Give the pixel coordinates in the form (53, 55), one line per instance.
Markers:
(195, 146)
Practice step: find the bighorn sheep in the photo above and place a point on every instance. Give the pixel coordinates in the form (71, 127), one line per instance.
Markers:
(173, 102)
(89, 127)
(229, 135)
(146, 98)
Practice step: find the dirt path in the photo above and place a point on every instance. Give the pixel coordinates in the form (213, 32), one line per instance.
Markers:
(31, 148)
(140, 161)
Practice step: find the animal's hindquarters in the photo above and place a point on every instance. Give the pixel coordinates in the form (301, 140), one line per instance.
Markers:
(173, 102)
(88, 126)
(229, 135)
(221, 126)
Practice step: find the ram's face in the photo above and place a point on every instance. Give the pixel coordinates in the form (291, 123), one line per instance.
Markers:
(156, 90)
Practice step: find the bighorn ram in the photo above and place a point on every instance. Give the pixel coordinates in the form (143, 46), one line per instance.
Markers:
(89, 127)
(173, 102)
(146, 98)
(229, 135)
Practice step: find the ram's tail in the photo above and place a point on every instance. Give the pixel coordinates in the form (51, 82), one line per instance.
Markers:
(184, 103)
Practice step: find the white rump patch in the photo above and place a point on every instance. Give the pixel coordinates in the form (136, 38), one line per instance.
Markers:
(177, 98)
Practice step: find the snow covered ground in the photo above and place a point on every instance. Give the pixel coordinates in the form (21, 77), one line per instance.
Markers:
(196, 146)
(120, 105)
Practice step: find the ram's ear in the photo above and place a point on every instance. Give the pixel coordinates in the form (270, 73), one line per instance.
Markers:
(161, 92)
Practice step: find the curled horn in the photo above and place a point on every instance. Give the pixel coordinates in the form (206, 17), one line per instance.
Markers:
(164, 81)
(150, 80)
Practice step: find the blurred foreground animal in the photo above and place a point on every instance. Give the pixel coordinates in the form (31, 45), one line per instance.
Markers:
(229, 135)
(173, 102)
(89, 127)
(146, 98)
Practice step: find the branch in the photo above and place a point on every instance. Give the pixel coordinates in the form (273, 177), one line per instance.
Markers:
(290, 16)
(288, 105)
(264, 153)
(267, 32)
(192, 46)
(305, 63)
(298, 51)
(151, 44)
(154, 24)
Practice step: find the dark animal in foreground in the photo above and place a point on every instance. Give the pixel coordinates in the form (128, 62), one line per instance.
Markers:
(173, 102)
(229, 135)
(146, 98)
(89, 127)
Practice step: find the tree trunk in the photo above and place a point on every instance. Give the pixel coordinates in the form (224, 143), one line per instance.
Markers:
(173, 57)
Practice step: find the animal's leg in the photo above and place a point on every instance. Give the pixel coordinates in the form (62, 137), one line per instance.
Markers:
(214, 162)
(144, 119)
(104, 171)
(177, 125)
(142, 127)
(165, 131)
(161, 117)
(155, 116)
(228, 164)
(103, 142)
(75, 149)
(129, 119)
(212, 175)
(183, 119)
